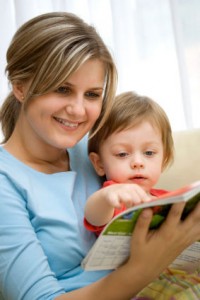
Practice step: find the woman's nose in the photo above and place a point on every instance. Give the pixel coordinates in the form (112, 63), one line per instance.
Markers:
(76, 107)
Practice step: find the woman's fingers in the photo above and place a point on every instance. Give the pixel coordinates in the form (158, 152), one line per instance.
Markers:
(141, 229)
(172, 224)
(172, 221)
(174, 216)
(194, 215)
(190, 227)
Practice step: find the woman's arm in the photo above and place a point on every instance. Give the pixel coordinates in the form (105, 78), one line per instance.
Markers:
(24, 269)
(143, 266)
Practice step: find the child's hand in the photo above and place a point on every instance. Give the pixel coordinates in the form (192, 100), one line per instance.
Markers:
(100, 206)
(128, 194)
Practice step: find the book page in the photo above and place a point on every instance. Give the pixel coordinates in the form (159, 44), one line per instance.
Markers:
(189, 259)
(110, 253)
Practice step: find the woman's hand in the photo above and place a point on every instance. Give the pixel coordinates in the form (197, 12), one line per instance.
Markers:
(153, 251)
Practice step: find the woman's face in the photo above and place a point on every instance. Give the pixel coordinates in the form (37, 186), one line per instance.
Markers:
(63, 117)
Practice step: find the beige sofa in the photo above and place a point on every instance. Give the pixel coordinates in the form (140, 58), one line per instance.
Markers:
(186, 166)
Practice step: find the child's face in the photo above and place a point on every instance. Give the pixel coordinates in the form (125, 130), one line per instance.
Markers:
(133, 155)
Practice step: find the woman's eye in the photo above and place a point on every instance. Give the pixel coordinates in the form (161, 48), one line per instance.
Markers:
(63, 90)
(92, 95)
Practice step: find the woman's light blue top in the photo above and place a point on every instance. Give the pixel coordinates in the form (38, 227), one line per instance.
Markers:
(42, 238)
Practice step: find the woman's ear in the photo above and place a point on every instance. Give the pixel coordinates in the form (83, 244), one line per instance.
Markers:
(18, 91)
(97, 164)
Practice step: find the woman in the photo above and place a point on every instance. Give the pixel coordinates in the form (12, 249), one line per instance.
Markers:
(63, 81)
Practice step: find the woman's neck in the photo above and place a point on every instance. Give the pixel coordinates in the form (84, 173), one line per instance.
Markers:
(47, 160)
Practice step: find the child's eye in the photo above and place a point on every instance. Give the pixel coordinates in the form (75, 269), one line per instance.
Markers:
(63, 90)
(149, 153)
(122, 154)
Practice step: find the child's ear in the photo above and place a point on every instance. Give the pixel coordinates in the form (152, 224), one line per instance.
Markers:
(96, 161)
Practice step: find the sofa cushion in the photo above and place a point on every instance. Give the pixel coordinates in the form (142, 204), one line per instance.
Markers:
(186, 166)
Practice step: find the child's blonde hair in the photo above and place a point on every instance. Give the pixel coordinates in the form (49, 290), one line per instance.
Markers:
(130, 109)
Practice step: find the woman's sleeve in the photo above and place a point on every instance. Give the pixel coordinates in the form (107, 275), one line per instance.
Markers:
(24, 269)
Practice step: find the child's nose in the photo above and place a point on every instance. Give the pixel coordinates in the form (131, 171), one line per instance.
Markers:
(137, 162)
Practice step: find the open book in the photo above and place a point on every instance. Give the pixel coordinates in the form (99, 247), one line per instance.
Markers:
(112, 247)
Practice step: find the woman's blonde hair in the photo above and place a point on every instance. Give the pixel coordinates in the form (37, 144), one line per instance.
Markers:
(130, 109)
(45, 51)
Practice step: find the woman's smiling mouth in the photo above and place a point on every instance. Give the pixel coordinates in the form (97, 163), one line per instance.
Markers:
(67, 123)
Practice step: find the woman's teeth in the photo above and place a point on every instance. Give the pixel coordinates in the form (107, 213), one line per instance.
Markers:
(66, 123)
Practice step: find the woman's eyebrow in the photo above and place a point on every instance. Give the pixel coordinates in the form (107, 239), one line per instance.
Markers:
(101, 88)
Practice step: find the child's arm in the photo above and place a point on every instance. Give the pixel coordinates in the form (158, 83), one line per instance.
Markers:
(100, 206)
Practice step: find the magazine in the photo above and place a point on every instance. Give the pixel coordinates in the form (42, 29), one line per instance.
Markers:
(112, 247)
